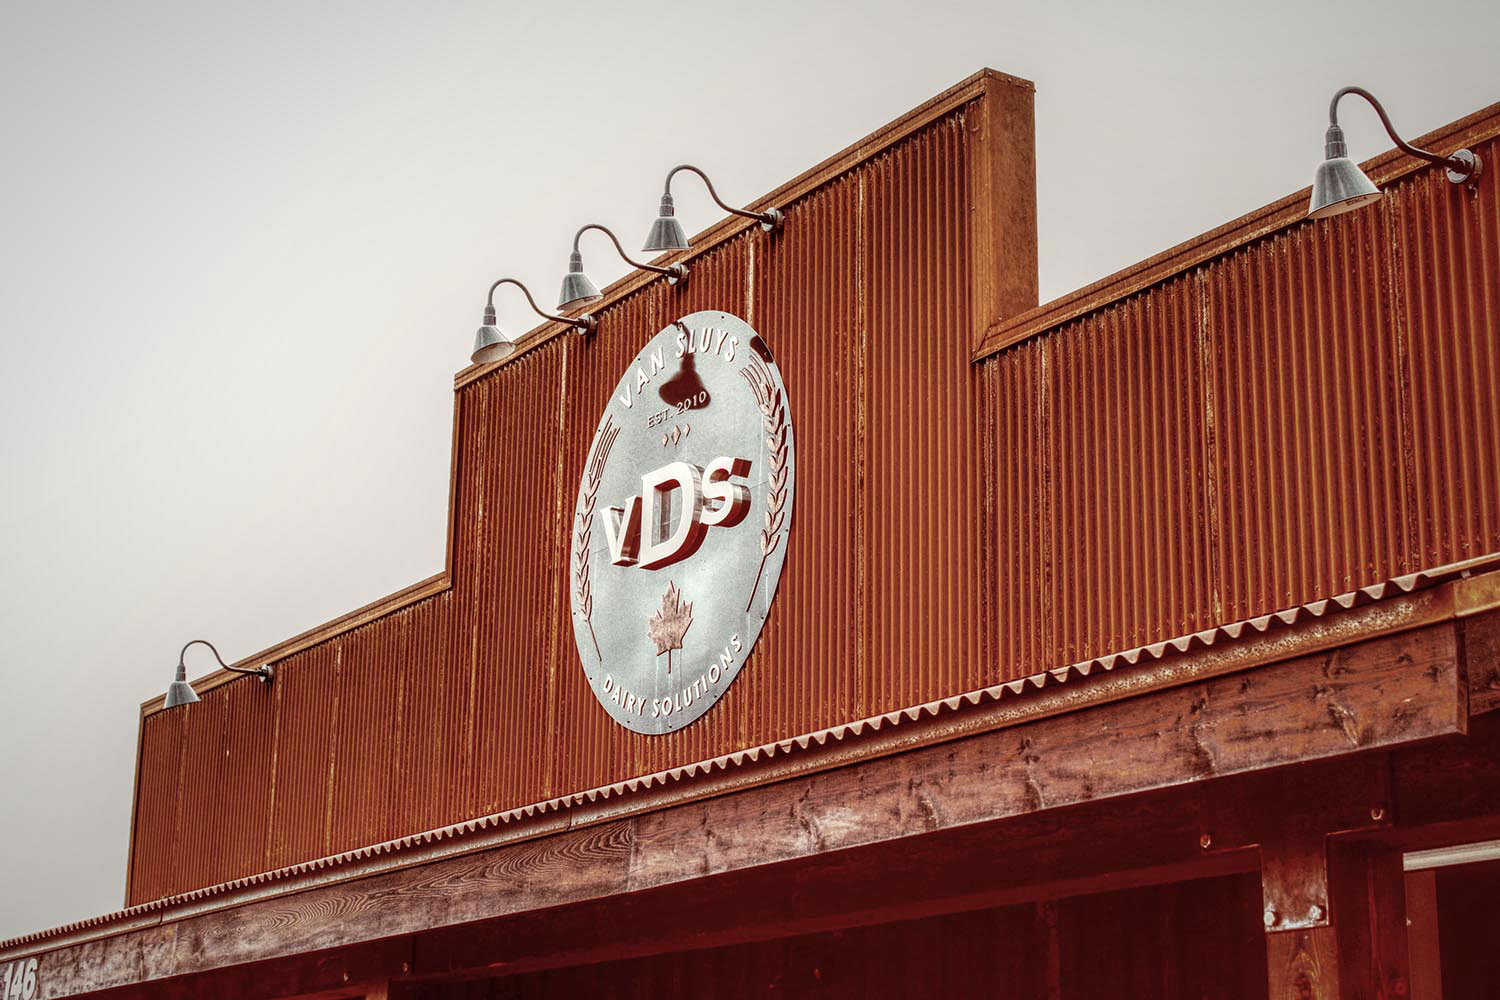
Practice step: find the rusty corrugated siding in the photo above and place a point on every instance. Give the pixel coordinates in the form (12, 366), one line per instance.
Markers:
(1310, 414)
(1016, 559)
(1446, 278)
(366, 729)
(922, 491)
(1097, 491)
(306, 693)
(205, 792)
(1309, 475)
(1126, 499)
(1314, 412)
(507, 584)
(820, 338)
(237, 836)
(157, 788)
(429, 725)
(472, 702)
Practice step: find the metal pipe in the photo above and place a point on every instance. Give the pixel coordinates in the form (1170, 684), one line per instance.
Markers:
(1460, 169)
(265, 673)
(674, 272)
(584, 323)
(770, 219)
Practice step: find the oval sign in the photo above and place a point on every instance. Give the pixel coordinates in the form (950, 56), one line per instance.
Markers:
(681, 526)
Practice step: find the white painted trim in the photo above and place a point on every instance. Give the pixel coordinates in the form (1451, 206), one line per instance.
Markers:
(1442, 857)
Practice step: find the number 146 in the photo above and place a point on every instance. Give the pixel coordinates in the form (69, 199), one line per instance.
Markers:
(18, 980)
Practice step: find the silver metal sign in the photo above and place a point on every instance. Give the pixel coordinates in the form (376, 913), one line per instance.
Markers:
(681, 526)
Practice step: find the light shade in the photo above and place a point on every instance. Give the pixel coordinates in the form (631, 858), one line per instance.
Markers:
(666, 232)
(491, 345)
(1339, 185)
(576, 286)
(180, 693)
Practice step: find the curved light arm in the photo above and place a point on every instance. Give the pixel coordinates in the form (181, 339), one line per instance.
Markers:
(265, 673)
(1458, 165)
(674, 271)
(770, 218)
(585, 323)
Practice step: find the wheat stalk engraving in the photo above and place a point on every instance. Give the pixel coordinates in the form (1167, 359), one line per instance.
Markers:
(583, 527)
(773, 416)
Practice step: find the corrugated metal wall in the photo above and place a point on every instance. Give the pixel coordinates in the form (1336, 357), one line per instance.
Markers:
(472, 701)
(1316, 411)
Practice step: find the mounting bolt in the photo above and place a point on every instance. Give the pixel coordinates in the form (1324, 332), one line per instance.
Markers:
(1377, 812)
(1271, 916)
(405, 966)
(1206, 841)
(1316, 912)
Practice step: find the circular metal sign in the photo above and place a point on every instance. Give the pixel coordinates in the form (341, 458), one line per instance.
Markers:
(682, 519)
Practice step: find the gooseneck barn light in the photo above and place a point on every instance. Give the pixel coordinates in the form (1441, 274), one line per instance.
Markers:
(666, 232)
(492, 345)
(182, 693)
(578, 289)
(1340, 186)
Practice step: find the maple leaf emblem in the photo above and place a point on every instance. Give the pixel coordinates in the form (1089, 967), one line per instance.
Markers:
(667, 627)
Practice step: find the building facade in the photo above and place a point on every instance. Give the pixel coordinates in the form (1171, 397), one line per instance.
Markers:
(1142, 643)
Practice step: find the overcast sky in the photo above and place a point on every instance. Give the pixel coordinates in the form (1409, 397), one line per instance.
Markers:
(244, 248)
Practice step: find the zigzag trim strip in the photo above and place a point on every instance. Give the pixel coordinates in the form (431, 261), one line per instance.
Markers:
(1217, 635)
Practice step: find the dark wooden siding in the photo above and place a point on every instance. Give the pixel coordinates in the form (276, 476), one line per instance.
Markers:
(1199, 940)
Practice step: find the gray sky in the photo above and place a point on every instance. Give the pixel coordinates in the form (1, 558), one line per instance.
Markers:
(244, 248)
